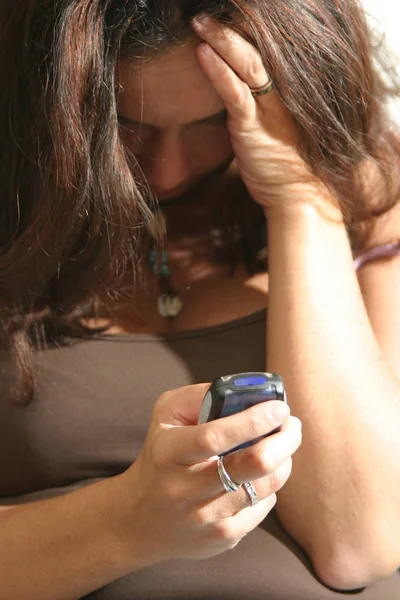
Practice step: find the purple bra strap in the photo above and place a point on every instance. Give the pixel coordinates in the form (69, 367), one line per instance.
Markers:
(376, 253)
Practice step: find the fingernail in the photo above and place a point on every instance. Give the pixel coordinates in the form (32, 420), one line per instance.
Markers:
(201, 21)
(299, 424)
(278, 410)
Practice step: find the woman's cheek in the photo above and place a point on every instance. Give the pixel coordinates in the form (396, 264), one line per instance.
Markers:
(212, 144)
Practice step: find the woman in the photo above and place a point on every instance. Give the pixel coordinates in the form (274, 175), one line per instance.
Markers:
(137, 102)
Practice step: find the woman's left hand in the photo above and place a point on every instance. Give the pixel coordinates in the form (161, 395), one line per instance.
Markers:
(264, 136)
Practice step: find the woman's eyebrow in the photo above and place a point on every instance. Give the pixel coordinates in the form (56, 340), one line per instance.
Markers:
(219, 116)
(132, 121)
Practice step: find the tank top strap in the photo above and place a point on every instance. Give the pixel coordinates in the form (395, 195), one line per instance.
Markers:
(376, 253)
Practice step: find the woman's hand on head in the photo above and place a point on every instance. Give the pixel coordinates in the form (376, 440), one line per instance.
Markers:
(179, 506)
(264, 136)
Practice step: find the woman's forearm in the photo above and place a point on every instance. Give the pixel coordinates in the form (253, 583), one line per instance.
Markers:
(342, 502)
(64, 548)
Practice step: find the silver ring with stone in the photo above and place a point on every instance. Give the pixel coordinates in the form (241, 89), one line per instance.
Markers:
(251, 492)
(231, 486)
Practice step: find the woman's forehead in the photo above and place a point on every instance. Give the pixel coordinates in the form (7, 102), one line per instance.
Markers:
(171, 89)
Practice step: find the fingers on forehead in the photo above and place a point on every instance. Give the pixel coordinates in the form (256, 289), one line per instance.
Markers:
(239, 54)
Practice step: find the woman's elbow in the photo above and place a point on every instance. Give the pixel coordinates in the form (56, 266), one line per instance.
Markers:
(350, 569)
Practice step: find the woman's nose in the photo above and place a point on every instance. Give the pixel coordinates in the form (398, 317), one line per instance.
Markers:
(167, 168)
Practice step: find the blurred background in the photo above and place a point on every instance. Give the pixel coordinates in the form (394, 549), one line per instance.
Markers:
(384, 17)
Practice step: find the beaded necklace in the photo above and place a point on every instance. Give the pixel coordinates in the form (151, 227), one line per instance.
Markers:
(169, 303)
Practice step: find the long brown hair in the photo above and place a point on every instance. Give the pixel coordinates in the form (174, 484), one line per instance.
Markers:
(75, 212)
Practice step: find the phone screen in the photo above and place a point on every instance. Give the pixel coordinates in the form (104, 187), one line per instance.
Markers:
(237, 401)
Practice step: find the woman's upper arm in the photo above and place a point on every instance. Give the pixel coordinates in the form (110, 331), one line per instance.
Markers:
(380, 286)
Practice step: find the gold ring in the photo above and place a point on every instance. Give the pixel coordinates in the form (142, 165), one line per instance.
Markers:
(265, 89)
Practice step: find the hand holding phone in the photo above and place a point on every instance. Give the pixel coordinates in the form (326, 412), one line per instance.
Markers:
(231, 394)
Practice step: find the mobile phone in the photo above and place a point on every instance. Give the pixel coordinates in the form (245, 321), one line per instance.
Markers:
(231, 394)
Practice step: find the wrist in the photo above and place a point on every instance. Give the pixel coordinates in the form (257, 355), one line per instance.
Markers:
(127, 523)
(302, 233)
(305, 209)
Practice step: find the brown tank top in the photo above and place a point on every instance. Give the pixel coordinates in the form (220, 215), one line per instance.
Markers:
(89, 421)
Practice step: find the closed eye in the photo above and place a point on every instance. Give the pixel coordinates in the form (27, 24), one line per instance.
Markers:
(217, 119)
(135, 126)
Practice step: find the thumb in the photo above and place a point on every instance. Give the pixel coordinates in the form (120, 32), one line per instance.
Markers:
(181, 406)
